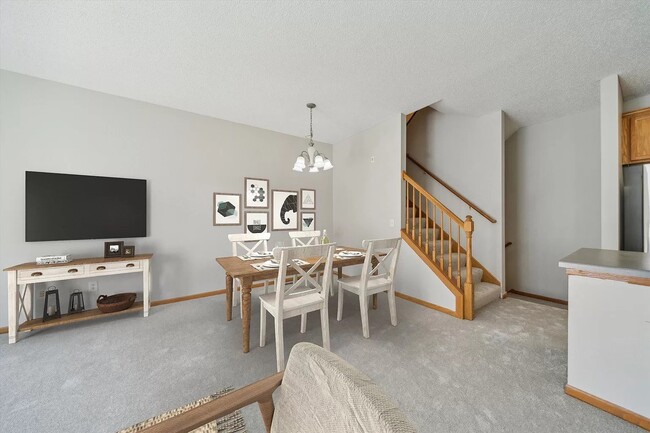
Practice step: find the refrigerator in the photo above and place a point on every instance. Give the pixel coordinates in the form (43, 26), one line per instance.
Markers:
(635, 208)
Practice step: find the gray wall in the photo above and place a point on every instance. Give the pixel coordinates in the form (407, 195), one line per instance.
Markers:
(46, 126)
(552, 200)
(368, 194)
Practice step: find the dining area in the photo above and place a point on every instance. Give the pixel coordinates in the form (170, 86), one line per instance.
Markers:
(299, 277)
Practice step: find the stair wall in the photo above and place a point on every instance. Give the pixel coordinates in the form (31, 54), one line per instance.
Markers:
(468, 153)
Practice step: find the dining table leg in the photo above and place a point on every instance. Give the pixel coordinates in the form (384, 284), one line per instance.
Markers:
(228, 297)
(246, 286)
(374, 301)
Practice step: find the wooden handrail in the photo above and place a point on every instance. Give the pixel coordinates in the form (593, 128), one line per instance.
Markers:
(453, 191)
(431, 198)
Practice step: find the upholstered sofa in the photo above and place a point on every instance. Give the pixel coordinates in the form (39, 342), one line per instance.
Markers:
(317, 392)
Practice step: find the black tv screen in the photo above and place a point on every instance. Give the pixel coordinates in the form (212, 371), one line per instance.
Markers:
(68, 207)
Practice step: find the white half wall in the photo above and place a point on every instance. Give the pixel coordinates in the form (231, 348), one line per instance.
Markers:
(185, 157)
(552, 200)
(468, 154)
(611, 175)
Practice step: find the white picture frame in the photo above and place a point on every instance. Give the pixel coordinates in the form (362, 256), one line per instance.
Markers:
(284, 210)
(256, 192)
(226, 209)
(256, 222)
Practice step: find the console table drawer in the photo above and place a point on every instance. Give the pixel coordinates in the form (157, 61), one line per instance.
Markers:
(52, 273)
(115, 267)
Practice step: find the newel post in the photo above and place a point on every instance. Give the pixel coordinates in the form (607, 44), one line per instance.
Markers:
(468, 289)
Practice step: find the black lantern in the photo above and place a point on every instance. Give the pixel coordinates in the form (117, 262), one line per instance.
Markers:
(76, 304)
(50, 311)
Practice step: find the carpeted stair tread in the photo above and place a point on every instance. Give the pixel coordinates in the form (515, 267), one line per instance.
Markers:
(484, 293)
(477, 275)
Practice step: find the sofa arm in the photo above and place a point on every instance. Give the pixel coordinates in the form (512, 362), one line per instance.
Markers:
(260, 392)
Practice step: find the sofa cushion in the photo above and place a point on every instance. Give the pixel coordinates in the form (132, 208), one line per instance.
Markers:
(322, 393)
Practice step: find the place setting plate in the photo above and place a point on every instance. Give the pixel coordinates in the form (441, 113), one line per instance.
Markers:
(350, 254)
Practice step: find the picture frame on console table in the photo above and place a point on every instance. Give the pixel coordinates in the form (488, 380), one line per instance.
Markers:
(113, 249)
(128, 251)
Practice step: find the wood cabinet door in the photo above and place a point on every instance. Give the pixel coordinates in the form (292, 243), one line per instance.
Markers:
(640, 136)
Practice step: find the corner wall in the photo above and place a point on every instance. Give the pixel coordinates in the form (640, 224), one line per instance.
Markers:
(552, 200)
(47, 126)
(611, 175)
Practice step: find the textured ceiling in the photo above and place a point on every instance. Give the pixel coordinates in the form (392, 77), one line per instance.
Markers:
(258, 63)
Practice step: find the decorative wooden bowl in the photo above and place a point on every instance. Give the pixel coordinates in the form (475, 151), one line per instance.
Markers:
(113, 303)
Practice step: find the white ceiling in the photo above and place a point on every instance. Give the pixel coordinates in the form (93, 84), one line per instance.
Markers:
(258, 63)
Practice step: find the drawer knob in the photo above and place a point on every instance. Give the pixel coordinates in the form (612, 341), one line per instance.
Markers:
(101, 268)
(73, 270)
(36, 274)
(130, 265)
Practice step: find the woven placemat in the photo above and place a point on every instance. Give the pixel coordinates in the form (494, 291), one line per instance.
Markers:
(232, 423)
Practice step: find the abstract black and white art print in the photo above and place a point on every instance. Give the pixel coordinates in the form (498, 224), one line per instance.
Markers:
(308, 221)
(257, 192)
(307, 199)
(257, 222)
(226, 209)
(284, 210)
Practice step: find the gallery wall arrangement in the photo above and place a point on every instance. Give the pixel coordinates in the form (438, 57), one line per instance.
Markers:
(288, 209)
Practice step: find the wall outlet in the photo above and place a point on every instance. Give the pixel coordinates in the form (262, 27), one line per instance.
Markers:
(41, 293)
(92, 286)
(391, 223)
(372, 159)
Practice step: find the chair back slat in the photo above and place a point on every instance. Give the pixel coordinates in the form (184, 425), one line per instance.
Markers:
(386, 253)
(305, 238)
(322, 254)
(243, 240)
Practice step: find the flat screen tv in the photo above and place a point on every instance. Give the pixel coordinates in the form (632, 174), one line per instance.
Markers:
(69, 206)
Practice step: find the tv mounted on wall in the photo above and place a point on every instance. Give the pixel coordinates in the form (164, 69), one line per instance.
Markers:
(69, 206)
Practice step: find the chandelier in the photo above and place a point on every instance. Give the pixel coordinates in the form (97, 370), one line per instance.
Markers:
(312, 158)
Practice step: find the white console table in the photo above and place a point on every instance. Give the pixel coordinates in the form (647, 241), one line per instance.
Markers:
(21, 280)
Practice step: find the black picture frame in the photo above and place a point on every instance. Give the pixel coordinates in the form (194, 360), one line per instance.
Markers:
(110, 251)
(128, 251)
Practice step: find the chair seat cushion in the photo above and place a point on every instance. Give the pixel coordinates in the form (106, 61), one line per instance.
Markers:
(294, 302)
(322, 393)
(373, 282)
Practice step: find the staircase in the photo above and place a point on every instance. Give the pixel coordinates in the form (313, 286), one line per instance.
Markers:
(444, 242)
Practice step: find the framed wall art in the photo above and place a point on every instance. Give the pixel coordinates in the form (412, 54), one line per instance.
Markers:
(308, 221)
(256, 222)
(308, 199)
(284, 210)
(226, 209)
(257, 193)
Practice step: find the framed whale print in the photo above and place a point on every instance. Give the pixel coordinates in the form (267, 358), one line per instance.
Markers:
(257, 193)
(284, 210)
(257, 222)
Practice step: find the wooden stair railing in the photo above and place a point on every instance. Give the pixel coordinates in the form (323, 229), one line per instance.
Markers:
(452, 190)
(439, 251)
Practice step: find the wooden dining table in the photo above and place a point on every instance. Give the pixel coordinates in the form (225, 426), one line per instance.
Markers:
(248, 275)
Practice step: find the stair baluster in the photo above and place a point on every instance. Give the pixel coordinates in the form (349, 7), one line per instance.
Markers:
(468, 289)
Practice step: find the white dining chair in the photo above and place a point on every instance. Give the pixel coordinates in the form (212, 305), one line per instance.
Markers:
(373, 279)
(240, 243)
(295, 299)
(305, 238)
